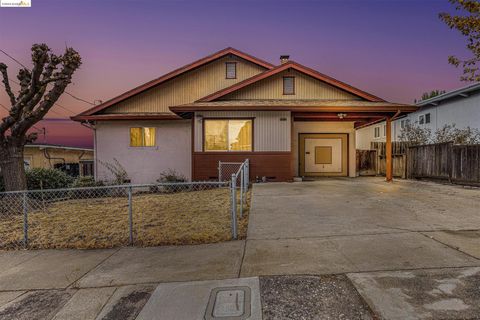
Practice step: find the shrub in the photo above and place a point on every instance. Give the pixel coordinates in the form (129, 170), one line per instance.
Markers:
(87, 181)
(171, 175)
(42, 178)
(120, 175)
(415, 134)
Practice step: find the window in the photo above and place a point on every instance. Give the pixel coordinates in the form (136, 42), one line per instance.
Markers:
(142, 137)
(288, 85)
(384, 130)
(376, 133)
(421, 119)
(402, 124)
(230, 70)
(86, 168)
(228, 135)
(427, 118)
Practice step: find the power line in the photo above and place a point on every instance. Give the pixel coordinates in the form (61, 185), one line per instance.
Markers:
(70, 94)
(13, 59)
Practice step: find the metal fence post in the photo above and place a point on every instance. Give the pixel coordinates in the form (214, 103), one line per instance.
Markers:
(233, 188)
(25, 219)
(242, 188)
(219, 171)
(130, 218)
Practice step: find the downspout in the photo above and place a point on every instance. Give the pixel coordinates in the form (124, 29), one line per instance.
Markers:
(47, 155)
(92, 126)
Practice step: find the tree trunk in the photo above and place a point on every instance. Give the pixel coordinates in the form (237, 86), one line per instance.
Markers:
(12, 167)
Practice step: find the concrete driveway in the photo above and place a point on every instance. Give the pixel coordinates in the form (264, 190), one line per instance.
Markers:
(365, 224)
(346, 248)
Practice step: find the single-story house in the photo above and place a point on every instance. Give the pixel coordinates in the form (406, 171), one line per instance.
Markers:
(460, 107)
(288, 119)
(73, 160)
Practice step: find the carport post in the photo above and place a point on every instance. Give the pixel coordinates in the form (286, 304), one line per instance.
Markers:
(388, 151)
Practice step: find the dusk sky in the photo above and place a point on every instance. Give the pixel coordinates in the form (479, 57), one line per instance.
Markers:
(394, 49)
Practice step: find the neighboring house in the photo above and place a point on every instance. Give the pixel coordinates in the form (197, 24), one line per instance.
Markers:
(460, 107)
(75, 161)
(288, 119)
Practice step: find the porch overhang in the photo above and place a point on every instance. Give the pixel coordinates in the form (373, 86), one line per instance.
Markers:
(360, 112)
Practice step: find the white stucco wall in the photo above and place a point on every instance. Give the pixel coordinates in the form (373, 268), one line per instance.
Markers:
(144, 164)
(326, 127)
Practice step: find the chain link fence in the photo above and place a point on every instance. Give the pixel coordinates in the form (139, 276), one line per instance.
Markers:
(110, 216)
(226, 169)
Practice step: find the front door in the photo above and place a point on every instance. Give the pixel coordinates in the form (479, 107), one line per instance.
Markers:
(323, 154)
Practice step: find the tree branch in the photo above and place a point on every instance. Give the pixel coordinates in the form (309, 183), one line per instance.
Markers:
(70, 62)
(8, 89)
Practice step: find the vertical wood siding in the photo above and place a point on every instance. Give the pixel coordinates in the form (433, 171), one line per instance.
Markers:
(306, 87)
(269, 132)
(187, 88)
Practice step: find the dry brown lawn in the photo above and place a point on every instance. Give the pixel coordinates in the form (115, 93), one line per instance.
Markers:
(158, 219)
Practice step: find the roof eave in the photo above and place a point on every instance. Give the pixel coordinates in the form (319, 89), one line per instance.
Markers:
(101, 117)
(372, 109)
(449, 95)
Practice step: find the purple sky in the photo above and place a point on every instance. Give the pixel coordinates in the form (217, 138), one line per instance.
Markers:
(393, 49)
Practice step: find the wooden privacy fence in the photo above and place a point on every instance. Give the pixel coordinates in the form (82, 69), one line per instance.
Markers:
(442, 161)
(445, 161)
(373, 162)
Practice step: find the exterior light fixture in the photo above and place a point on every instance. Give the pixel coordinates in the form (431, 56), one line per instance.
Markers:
(341, 115)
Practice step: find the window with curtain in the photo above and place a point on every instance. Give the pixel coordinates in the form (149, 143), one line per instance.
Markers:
(142, 137)
(228, 135)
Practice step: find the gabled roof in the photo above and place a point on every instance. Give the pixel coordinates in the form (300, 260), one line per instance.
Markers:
(173, 74)
(461, 92)
(298, 67)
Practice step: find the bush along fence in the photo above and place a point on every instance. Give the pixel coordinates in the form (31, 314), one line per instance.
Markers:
(458, 164)
(111, 216)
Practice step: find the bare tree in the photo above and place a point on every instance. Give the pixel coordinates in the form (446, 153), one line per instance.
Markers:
(450, 133)
(40, 88)
(415, 134)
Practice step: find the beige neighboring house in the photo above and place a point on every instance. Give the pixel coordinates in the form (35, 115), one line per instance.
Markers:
(287, 119)
(73, 160)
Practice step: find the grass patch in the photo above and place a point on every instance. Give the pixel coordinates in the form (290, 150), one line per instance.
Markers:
(193, 217)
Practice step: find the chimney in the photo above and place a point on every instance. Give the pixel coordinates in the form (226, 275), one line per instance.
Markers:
(284, 59)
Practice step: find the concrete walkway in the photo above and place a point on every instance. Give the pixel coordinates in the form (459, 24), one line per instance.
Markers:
(379, 234)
